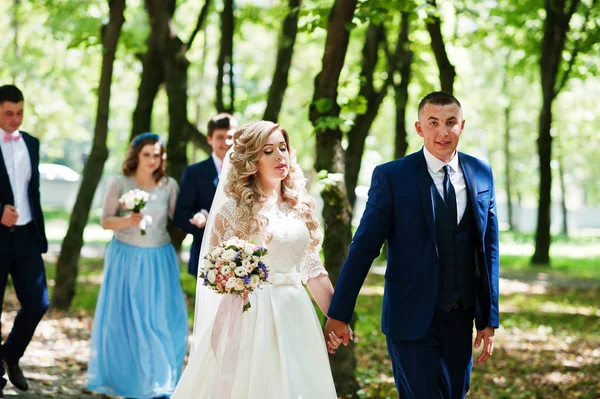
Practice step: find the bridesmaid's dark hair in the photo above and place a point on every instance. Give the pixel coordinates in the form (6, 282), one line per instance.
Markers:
(131, 161)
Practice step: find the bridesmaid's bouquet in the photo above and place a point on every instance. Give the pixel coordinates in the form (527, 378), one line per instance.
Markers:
(134, 201)
(235, 267)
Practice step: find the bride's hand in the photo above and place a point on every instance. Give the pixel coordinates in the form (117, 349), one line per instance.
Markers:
(333, 342)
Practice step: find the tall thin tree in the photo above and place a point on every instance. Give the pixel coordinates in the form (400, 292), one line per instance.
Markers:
(554, 75)
(68, 259)
(337, 214)
(225, 61)
(434, 27)
(289, 30)
(404, 57)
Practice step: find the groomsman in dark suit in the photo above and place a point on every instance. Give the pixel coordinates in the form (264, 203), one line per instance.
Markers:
(22, 234)
(199, 183)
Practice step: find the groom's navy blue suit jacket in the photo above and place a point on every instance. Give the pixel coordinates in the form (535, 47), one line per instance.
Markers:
(198, 186)
(33, 190)
(400, 210)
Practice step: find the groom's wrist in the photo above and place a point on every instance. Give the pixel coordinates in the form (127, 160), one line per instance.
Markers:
(339, 317)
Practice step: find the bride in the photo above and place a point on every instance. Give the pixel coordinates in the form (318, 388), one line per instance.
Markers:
(279, 353)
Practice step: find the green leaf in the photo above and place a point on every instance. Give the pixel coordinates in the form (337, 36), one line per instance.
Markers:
(323, 105)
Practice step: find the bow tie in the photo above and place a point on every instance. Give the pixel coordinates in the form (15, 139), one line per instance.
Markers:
(10, 137)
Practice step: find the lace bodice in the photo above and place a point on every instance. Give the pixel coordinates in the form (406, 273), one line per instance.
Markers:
(159, 208)
(289, 251)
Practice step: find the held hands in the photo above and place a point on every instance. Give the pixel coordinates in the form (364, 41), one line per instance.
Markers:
(337, 333)
(200, 218)
(10, 216)
(488, 343)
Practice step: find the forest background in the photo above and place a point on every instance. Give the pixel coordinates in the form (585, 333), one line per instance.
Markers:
(344, 78)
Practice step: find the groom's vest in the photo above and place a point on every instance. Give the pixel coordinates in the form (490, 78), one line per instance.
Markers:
(456, 248)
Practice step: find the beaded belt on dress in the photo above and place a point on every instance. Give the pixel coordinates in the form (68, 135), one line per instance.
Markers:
(285, 278)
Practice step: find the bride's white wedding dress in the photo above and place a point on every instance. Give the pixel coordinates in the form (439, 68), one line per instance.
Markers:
(282, 353)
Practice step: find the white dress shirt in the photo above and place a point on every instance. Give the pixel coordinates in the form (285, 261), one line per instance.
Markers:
(18, 166)
(218, 162)
(435, 167)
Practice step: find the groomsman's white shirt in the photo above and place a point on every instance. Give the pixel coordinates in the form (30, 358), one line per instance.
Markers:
(218, 162)
(457, 178)
(18, 166)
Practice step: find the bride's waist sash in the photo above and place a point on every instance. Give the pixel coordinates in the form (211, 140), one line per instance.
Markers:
(285, 278)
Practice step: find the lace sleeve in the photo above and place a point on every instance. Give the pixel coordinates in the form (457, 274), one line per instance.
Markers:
(223, 228)
(173, 190)
(110, 206)
(311, 265)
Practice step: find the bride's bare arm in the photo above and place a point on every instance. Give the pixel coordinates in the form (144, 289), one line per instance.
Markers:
(321, 289)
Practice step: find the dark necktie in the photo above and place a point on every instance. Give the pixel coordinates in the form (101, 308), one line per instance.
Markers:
(449, 193)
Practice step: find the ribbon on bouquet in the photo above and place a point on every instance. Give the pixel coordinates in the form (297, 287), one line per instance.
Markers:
(230, 313)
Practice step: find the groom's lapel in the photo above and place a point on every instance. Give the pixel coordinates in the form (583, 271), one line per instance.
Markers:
(425, 185)
(471, 183)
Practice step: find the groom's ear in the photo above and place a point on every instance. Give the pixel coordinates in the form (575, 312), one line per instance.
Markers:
(418, 128)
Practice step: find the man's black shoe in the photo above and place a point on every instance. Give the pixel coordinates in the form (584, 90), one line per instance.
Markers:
(15, 375)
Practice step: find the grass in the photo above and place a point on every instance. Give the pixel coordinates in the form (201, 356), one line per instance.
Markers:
(51, 214)
(529, 238)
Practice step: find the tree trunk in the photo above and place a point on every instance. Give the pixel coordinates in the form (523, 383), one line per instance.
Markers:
(287, 40)
(153, 76)
(553, 44)
(172, 52)
(362, 124)
(225, 60)
(176, 84)
(67, 265)
(16, 28)
(563, 197)
(405, 57)
(337, 213)
(434, 27)
(541, 255)
(507, 168)
(153, 72)
(507, 154)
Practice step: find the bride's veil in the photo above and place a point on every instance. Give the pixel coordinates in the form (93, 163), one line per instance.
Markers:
(207, 301)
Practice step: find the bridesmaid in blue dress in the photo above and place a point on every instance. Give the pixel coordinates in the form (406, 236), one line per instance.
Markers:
(139, 337)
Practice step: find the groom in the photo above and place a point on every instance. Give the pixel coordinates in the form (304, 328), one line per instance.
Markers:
(437, 210)
(22, 236)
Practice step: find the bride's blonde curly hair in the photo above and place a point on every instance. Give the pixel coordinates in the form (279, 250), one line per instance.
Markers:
(243, 185)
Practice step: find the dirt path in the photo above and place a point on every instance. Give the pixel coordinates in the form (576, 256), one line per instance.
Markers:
(55, 361)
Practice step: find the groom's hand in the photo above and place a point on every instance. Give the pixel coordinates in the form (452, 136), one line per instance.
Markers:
(340, 329)
(487, 336)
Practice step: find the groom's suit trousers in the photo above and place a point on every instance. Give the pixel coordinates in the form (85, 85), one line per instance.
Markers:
(437, 366)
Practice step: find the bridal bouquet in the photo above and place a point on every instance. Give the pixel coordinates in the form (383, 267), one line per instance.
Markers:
(235, 267)
(134, 201)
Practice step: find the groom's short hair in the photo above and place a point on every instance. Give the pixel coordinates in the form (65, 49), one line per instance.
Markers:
(438, 98)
